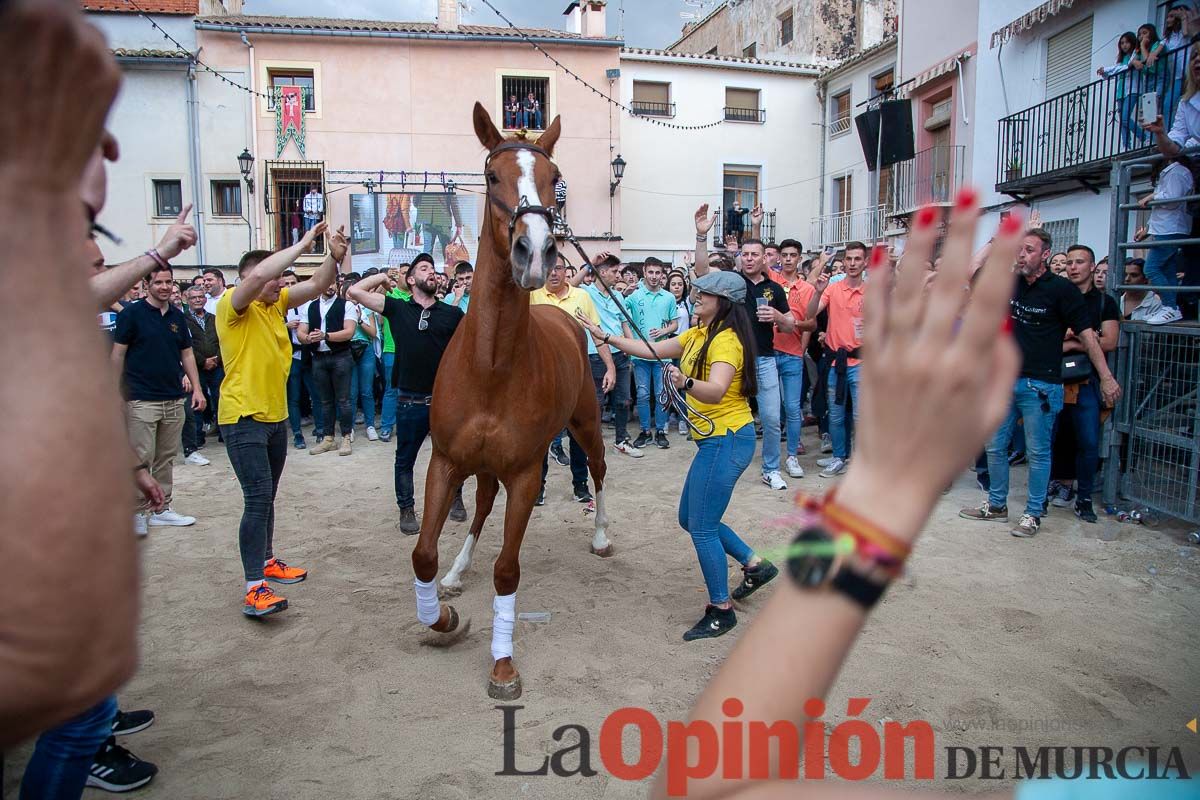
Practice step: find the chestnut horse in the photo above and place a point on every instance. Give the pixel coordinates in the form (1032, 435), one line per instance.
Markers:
(512, 377)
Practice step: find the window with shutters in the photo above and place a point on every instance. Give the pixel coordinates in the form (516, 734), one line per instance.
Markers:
(843, 196)
(652, 99)
(786, 27)
(742, 105)
(1069, 59)
(839, 114)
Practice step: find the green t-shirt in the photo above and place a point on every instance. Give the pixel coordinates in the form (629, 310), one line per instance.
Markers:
(389, 345)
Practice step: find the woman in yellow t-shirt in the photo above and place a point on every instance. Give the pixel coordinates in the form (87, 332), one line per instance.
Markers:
(713, 356)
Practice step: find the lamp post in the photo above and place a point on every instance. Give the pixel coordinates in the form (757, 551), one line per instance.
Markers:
(246, 165)
(618, 168)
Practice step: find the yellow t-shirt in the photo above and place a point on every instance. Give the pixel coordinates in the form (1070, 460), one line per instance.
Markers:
(256, 352)
(575, 299)
(733, 410)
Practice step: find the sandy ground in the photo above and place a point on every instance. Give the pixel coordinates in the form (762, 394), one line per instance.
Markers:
(1060, 640)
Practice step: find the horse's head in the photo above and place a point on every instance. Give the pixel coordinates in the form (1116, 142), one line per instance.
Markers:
(520, 185)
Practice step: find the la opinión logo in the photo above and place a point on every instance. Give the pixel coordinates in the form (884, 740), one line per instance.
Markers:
(854, 750)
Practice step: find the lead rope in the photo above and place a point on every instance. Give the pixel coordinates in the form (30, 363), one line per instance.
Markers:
(670, 395)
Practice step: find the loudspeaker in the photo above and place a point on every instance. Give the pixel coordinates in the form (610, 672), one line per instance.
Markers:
(898, 142)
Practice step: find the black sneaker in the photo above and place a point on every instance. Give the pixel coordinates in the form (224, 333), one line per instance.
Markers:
(642, 440)
(660, 439)
(754, 578)
(115, 769)
(560, 457)
(1083, 510)
(1017, 458)
(127, 722)
(582, 495)
(716, 622)
(758, 430)
(541, 501)
(984, 482)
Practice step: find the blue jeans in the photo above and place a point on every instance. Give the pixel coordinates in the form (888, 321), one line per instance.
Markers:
(792, 376)
(1038, 403)
(648, 376)
(63, 756)
(257, 452)
(362, 386)
(619, 393)
(296, 376)
(719, 462)
(839, 429)
(1084, 415)
(389, 394)
(1161, 266)
(1132, 134)
(768, 411)
(412, 428)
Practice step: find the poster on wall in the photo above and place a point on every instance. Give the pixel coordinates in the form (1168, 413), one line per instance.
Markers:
(364, 224)
(396, 226)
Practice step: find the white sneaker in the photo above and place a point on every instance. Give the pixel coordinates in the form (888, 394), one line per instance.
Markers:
(197, 460)
(826, 443)
(1165, 316)
(683, 428)
(825, 462)
(139, 524)
(792, 465)
(352, 436)
(167, 517)
(372, 436)
(837, 467)
(628, 449)
(774, 480)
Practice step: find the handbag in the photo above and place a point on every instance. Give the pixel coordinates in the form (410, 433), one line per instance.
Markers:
(456, 251)
(1076, 368)
(357, 348)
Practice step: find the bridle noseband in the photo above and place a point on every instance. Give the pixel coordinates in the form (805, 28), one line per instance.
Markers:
(523, 206)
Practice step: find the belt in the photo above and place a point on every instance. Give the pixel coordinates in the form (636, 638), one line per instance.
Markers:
(414, 399)
(841, 358)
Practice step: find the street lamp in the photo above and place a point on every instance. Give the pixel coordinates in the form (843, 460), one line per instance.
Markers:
(246, 164)
(618, 168)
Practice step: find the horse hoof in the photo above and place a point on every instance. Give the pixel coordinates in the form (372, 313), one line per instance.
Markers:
(604, 552)
(509, 690)
(447, 590)
(459, 629)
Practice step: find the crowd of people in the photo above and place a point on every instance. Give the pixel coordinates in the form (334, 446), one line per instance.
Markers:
(759, 340)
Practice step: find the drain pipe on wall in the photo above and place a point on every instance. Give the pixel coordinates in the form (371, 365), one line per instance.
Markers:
(193, 126)
(252, 127)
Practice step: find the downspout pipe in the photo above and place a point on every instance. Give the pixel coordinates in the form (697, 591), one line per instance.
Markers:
(252, 127)
(193, 132)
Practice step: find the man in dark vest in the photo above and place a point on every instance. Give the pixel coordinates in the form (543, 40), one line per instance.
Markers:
(202, 325)
(326, 334)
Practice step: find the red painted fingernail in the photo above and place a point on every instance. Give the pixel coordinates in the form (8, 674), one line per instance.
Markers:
(1006, 326)
(966, 197)
(926, 216)
(1011, 224)
(878, 255)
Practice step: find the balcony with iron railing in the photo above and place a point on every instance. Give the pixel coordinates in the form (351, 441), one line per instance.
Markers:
(733, 114)
(861, 225)
(1072, 139)
(933, 175)
(649, 108)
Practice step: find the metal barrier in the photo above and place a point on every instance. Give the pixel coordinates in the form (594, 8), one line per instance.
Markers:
(1153, 436)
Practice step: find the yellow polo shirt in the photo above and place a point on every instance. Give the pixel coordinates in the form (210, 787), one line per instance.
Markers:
(575, 299)
(732, 411)
(256, 352)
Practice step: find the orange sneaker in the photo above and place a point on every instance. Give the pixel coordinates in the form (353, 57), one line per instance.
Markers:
(262, 600)
(277, 571)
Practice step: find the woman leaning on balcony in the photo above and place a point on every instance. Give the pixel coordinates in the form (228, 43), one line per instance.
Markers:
(1126, 86)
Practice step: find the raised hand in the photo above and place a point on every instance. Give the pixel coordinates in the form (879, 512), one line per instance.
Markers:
(179, 237)
(704, 222)
(756, 214)
(599, 258)
(937, 371)
(66, 80)
(1155, 127)
(1035, 220)
(337, 243)
(312, 233)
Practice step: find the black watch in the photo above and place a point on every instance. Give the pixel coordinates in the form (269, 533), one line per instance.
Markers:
(817, 561)
(688, 384)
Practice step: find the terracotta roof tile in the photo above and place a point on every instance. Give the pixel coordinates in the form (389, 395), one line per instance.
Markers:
(239, 21)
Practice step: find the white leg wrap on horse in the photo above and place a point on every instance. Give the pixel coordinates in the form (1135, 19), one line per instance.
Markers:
(505, 608)
(428, 610)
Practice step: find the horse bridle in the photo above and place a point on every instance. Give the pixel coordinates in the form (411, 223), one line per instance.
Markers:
(523, 206)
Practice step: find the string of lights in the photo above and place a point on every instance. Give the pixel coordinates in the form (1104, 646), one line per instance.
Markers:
(195, 59)
(593, 89)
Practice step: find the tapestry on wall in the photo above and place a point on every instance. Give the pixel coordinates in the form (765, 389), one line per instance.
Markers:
(289, 117)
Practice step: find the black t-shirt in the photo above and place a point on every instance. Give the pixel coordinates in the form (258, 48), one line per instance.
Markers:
(764, 332)
(153, 368)
(1101, 308)
(1041, 313)
(419, 352)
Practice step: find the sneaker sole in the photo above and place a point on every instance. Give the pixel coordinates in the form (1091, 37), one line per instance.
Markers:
(287, 581)
(983, 519)
(116, 788)
(154, 524)
(249, 611)
(135, 729)
(708, 634)
(1022, 534)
